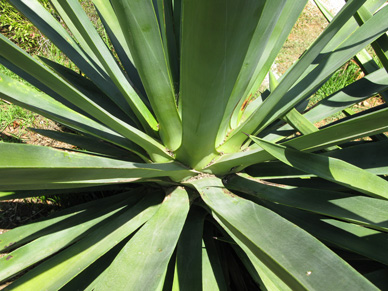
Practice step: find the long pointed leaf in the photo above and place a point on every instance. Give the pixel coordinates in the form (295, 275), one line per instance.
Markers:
(358, 127)
(188, 275)
(147, 254)
(46, 23)
(371, 156)
(309, 266)
(23, 165)
(48, 245)
(330, 169)
(24, 96)
(285, 97)
(76, 16)
(73, 260)
(361, 240)
(141, 30)
(271, 13)
(213, 60)
(90, 144)
(54, 82)
(361, 210)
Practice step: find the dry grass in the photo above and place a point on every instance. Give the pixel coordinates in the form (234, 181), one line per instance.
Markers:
(309, 26)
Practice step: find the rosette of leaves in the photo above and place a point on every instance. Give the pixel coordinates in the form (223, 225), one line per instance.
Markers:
(218, 185)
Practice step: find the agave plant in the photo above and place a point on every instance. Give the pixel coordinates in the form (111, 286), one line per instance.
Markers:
(213, 184)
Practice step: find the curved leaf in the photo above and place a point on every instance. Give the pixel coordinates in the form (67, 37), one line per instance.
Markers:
(54, 82)
(358, 209)
(308, 266)
(147, 254)
(84, 31)
(24, 167)
(214, 60)
(188, 275)
(65, 265)
(328, 168)
(26, 97)
(142, 33)
(73, 230)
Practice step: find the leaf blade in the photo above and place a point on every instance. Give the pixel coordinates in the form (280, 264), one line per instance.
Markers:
(328, 168)
(253, 225)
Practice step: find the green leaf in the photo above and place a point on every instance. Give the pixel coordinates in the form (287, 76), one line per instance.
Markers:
(380, 46)
(358, 239)
(88, 88)
(283, 28)
(86, 279)
(40, 86)
(299, 122)
(142, 263)
(214, 60)
(352, 94)
(89, 145)
(35, 193)
(367, 64)
(26, 233)
(76, 258)
(188, 275)
(328, 168)
(266, 30)
(361, 210)
(24, 96)
(51, 80)
(142, 33)
(370, 156)
(259, 271)
(87, 63)
(308, 265)
(116, 35)
(286, 97)
(255, 267)
(72, 230)
(166, 25)
(360, 125)
(78, 22)
(24, 167)
(214, 267)
(209, 281)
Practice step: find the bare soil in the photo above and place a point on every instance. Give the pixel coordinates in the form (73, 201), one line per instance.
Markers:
(18, 132)
(309, 26)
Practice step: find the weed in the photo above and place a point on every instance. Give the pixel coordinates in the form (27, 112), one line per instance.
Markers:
(346, 75)
(14, 115)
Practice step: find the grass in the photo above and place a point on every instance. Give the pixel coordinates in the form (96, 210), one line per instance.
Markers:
(13, 114)
(348, 74)
(14, 120)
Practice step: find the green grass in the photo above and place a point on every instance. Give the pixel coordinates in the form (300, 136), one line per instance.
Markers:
(15, 113)
(348, 74)
(17, 28)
